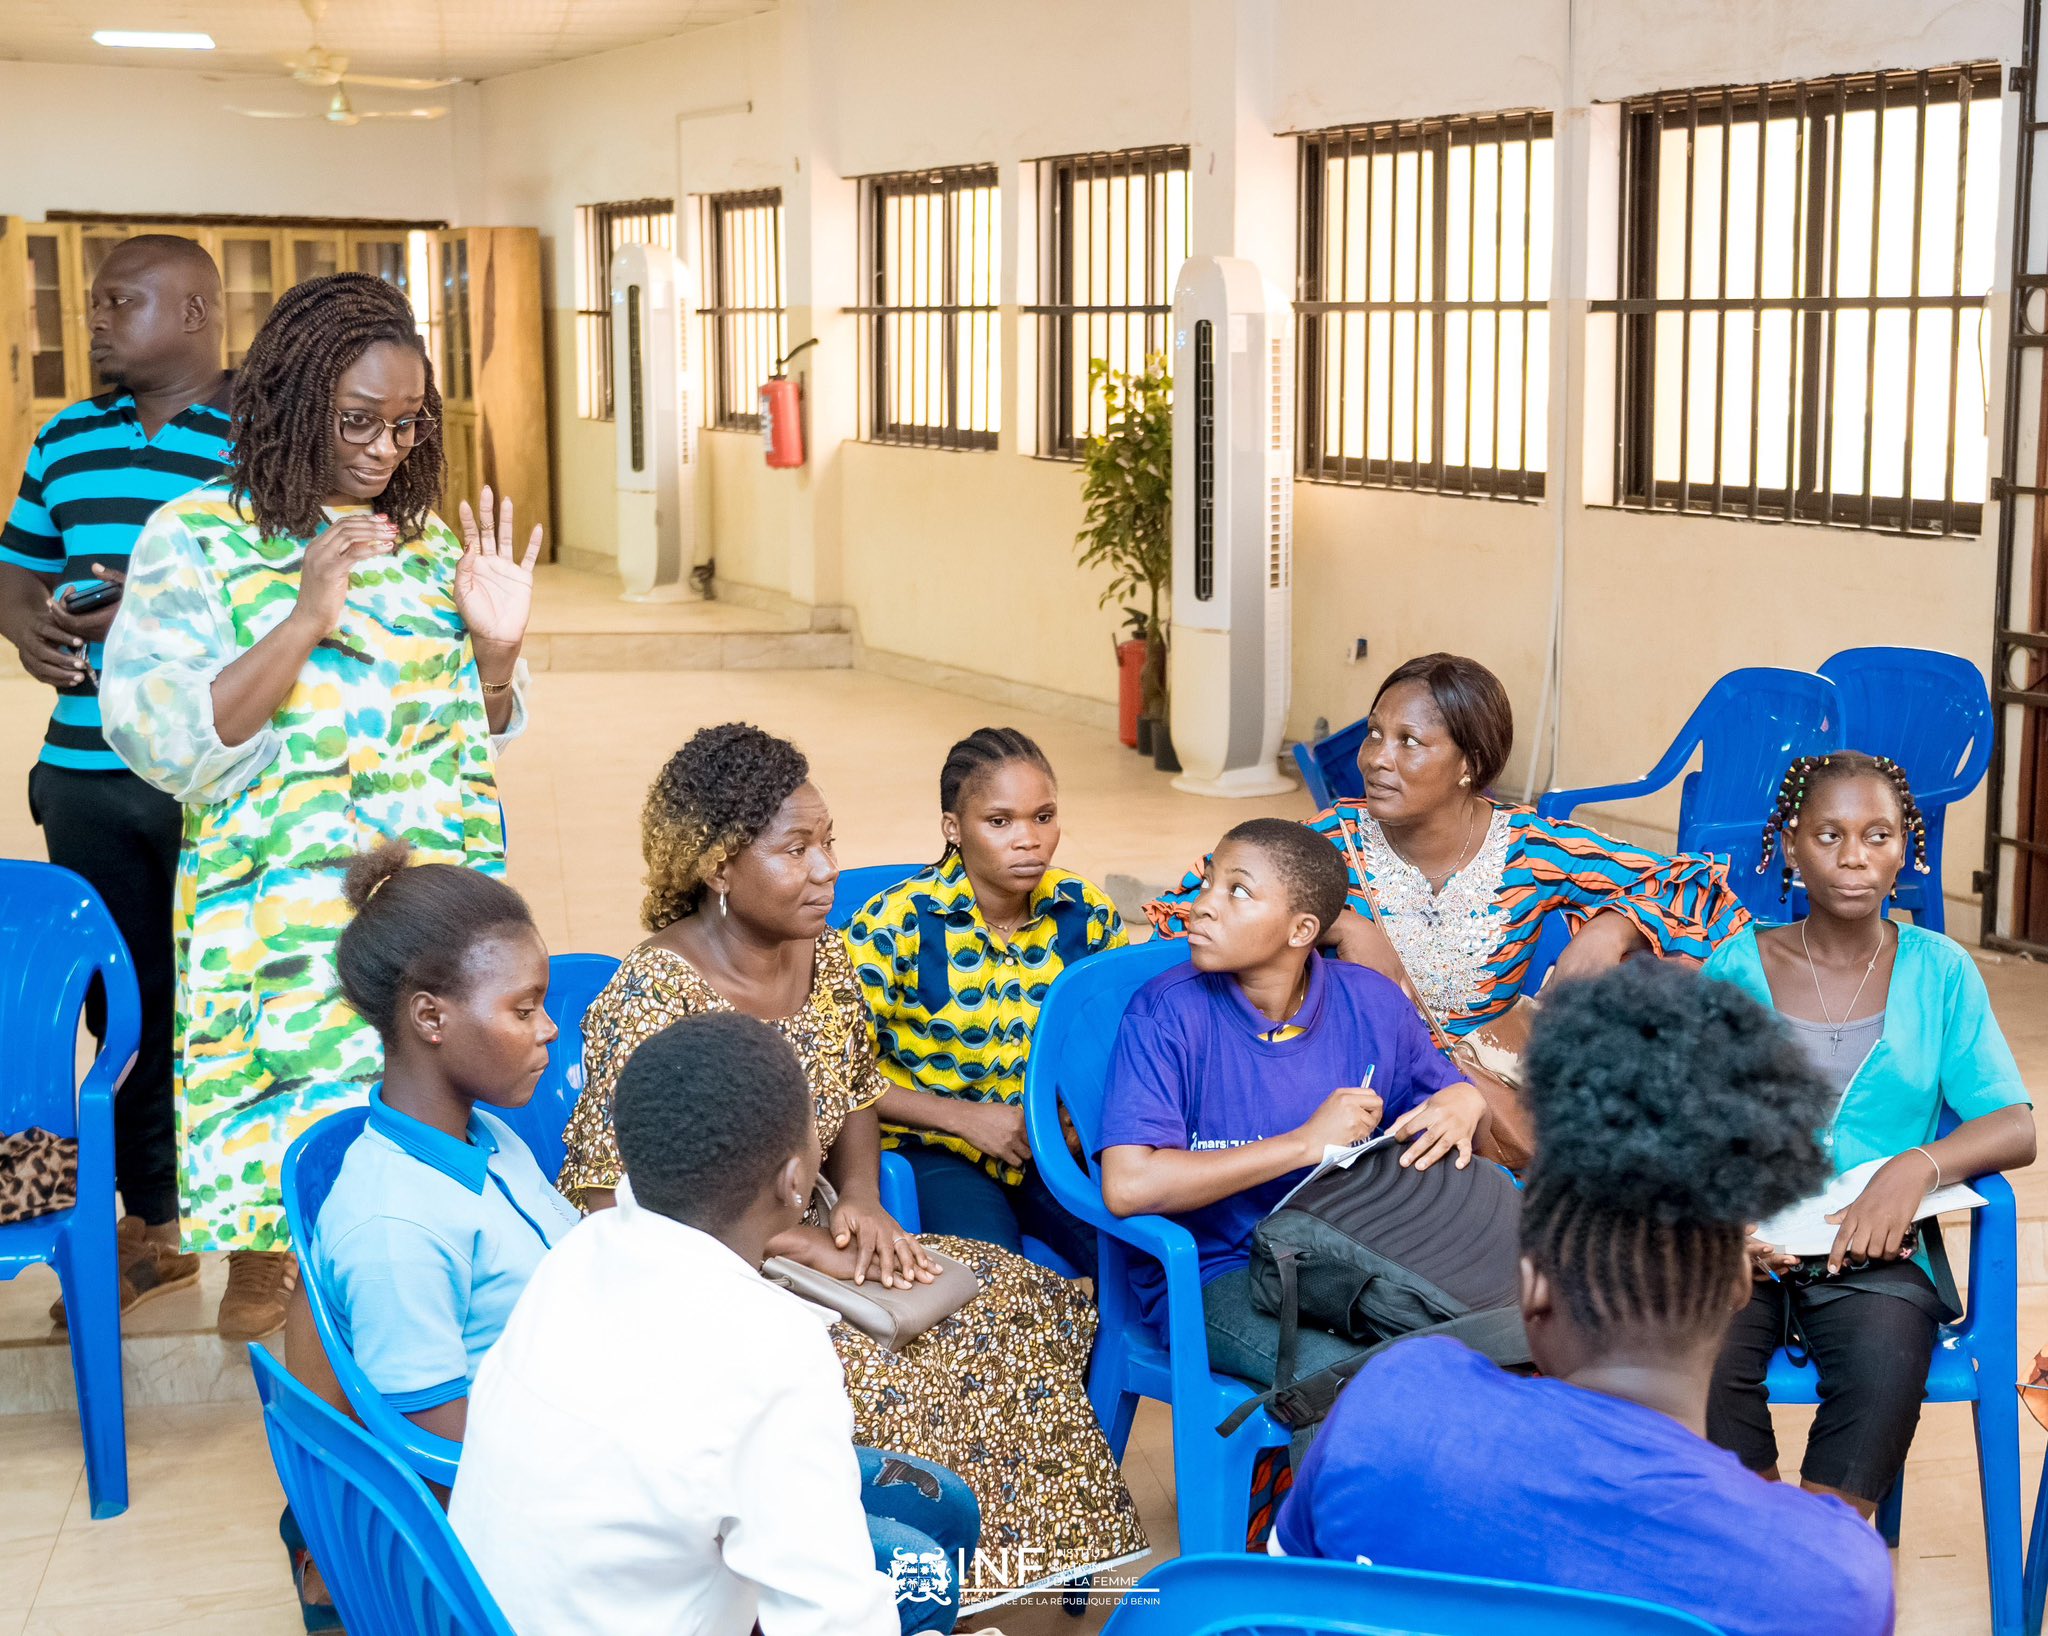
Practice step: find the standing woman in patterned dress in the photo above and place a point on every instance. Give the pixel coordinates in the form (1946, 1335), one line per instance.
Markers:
(312, 663)
(1456, 881)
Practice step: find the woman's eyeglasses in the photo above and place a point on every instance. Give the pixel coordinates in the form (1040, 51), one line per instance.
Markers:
(360, 427)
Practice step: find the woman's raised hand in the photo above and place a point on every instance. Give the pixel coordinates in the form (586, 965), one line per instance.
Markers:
(324, 570)
(493, 587)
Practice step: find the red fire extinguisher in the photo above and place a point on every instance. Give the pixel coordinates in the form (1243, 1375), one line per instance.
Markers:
(782, 413)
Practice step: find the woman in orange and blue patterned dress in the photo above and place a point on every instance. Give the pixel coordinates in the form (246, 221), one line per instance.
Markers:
(1456, 883)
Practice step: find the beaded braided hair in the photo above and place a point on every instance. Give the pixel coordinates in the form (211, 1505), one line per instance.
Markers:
(283, 432)
(1807, 774)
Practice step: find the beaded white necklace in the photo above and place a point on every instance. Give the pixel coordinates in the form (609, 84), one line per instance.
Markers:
(1445, 938)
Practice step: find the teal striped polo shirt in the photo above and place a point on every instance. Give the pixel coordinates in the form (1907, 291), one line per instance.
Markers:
(93, 479)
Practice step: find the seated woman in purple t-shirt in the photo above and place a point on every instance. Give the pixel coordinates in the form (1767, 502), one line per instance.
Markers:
(1671, 1112)
(1233, 1072)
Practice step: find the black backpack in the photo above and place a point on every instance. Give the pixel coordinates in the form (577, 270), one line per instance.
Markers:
(1376, 1254)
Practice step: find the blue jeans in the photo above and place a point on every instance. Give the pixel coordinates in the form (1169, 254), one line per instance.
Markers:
(921, 1518)
(956, 1196)
(1245, 1342)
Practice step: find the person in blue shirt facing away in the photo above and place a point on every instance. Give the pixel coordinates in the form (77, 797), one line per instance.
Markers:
(1234, 1072)
(1671, 1112)
(1897, 1021)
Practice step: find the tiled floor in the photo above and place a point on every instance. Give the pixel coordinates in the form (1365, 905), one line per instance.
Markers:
(198, 1549)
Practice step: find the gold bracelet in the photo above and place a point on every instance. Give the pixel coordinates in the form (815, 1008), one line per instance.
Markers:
(492, 688)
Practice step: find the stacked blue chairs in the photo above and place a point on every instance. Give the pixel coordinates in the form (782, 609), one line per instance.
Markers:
(310, 1166)
(55, 938)
(383, 1545)
(1750, 724)
(855, 886)
(1070, 1057)
(574, 980)
(1329, 767)
(1931, 713)
(1229, 1595)
(1973, 1363)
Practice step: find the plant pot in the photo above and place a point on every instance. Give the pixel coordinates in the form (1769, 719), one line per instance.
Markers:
(1141, 736)
(1162, 749)
(1130, 688)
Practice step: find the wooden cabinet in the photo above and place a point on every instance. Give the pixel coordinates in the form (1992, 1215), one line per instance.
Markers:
(476, 292)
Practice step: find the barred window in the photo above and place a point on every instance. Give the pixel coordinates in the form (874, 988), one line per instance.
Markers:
(746, 327)
(1114, 229)
(1424, 322)
(1803, 330)
(600, 230)
(930, 372)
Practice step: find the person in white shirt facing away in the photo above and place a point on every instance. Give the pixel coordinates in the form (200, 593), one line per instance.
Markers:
(662, 1441)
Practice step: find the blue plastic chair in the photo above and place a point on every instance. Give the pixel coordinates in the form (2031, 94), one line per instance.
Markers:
(1070, 1056)
(855, 886)
(55, 938)
(1931, 713)
(1973, 1363)
(1329, 767)
(310, 1166)
(383, 1544)
(574, 980)
(1223, 1595)
(1749, 726)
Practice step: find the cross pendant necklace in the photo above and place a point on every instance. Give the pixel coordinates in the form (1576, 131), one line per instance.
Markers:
(1835, 1028)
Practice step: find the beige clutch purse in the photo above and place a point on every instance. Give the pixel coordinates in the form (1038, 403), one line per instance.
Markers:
(892, 1317)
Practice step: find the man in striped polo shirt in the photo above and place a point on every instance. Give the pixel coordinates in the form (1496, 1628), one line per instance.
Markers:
(95, 474)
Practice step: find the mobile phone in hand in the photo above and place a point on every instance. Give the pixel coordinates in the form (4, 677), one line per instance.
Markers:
(89, 595)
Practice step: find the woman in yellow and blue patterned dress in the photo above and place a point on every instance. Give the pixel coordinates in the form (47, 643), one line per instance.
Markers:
(955, 963)
(311, 662)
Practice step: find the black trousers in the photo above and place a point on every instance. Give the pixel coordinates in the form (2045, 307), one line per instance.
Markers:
(1871, 1349)
(123, 837)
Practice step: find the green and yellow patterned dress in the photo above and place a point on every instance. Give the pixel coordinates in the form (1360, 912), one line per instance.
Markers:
(383, 735)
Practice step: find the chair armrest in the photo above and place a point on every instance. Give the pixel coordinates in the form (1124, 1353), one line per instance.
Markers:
(102, 1079)
(899, 1192)
(1563, 803)
(1990, 1329)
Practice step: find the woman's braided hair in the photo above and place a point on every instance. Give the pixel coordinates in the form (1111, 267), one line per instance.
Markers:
(1671, 1110)
(981, 753)
(715, 795)
(281, 466)
(1807, 774)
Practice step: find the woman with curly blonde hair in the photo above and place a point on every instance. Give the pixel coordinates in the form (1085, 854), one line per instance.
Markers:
(740, 873)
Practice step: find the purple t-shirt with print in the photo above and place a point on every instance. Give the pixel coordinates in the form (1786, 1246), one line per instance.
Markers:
(1195, 1069)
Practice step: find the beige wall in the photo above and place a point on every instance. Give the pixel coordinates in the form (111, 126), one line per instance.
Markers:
(965, 559)
(148, 140)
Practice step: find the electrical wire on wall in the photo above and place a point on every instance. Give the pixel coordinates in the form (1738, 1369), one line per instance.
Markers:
(1543, 744)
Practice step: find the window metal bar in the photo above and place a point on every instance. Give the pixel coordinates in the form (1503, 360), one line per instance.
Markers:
(1721, 293)
(1920, 85)
(1528, 290)
(1871, 323)
(1832, 380)
(1500, 227)
(1692, 144)
(1756, 308)
(1955, 340)
(1343, 178)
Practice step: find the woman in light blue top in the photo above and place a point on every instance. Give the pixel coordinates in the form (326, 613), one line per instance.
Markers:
(1897, 1019)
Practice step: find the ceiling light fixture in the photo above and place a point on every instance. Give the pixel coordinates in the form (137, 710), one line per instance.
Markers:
(153, 41)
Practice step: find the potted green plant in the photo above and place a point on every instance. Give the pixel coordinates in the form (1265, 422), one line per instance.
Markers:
(1127, 526)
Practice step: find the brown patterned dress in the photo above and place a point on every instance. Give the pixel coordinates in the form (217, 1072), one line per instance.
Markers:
(997, 1391)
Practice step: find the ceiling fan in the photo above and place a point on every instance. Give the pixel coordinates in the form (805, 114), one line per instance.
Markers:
(340, 111)
(328, 70)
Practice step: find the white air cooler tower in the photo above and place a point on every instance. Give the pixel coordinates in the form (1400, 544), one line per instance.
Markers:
(1230, 649)
(652, 304)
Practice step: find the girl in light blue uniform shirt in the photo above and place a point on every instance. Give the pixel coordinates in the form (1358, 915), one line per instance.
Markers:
(1897, 1020)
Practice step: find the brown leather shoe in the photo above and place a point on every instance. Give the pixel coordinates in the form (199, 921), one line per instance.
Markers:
(150, 1266)
(260, 1284)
